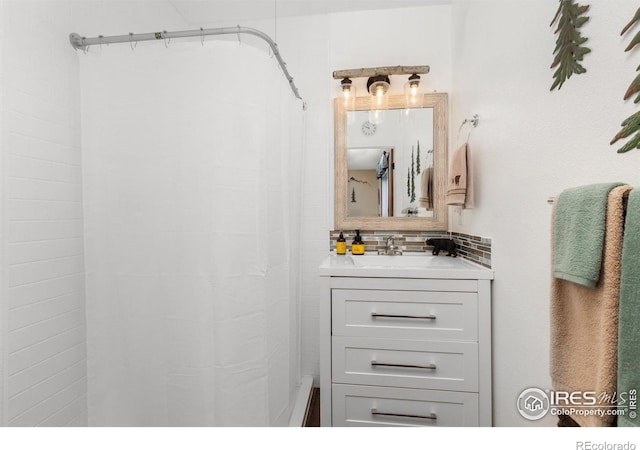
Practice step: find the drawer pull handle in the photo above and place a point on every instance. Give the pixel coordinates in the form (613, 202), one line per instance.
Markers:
(400, 316)
(410, 366)
(431, 416)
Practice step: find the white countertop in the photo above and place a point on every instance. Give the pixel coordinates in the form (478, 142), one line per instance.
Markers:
(409, 265)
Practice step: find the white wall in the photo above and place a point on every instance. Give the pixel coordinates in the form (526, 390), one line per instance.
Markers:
(530, 145)
(314, 47)
(42, 223)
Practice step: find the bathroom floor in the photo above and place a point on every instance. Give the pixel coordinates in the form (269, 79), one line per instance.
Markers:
(312, 418)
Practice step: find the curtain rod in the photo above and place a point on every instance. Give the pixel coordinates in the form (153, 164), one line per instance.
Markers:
(82, 43)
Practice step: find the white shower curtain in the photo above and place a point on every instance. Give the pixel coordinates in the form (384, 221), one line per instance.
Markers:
(191, 162)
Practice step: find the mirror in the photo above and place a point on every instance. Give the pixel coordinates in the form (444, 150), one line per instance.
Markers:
(391, 165)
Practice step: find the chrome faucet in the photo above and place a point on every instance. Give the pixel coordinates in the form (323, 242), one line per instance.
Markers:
(390, 247)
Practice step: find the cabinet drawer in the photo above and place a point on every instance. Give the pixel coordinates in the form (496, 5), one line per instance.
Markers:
(405, 314)
(384, 406)
(400, 363)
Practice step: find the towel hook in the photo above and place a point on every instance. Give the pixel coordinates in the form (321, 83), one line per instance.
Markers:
(473, 123)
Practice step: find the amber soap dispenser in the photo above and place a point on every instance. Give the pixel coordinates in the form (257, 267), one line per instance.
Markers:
(357, 246)
(341, 245)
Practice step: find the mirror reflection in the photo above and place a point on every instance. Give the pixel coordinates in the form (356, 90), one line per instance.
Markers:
(370, 182)
(390, 163)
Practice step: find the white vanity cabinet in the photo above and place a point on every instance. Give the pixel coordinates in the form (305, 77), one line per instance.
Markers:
(405, 345)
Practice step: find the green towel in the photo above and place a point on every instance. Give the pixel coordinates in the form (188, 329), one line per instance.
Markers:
(629, 313)
(579, 233)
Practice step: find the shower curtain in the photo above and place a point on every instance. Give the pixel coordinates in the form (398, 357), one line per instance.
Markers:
(192, 174)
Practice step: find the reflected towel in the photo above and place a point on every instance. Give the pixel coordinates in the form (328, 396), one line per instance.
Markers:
(629, 330)
(426, 189)
(382, 169)
(460, 184)
(584, 322)
(579, 231)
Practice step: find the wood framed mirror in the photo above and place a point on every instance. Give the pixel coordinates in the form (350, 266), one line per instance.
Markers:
(391, 164)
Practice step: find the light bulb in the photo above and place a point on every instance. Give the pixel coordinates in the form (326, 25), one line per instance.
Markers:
(377, 87)
(348, 93)
(346, 87)
(412, 97)
(379, 95)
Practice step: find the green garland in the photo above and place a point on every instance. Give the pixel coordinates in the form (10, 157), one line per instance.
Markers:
(569, 49)
(632, 123)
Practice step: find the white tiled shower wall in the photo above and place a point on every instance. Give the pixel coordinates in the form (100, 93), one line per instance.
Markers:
(46, 373)
(3, 316)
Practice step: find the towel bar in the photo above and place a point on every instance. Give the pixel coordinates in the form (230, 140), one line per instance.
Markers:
(551, 200)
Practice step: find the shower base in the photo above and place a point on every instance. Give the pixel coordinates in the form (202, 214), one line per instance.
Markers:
(302, 402)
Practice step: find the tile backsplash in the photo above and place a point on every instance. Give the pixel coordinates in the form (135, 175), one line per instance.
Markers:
(473, 248)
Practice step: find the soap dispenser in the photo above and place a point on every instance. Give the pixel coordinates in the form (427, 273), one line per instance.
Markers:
(357, 246)
(341, 245)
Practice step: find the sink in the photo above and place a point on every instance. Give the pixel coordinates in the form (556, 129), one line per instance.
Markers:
(412, 265)
(397, 261)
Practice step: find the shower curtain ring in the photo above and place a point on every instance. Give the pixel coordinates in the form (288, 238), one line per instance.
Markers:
(131, 43)
(85, 47)
(202, 36)
(164, 38)
(239, 41)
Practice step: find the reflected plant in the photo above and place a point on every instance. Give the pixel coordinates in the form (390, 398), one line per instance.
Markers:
(413, 178)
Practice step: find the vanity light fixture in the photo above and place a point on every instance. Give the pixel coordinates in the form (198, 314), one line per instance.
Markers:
(378, 84)
(378, 77)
